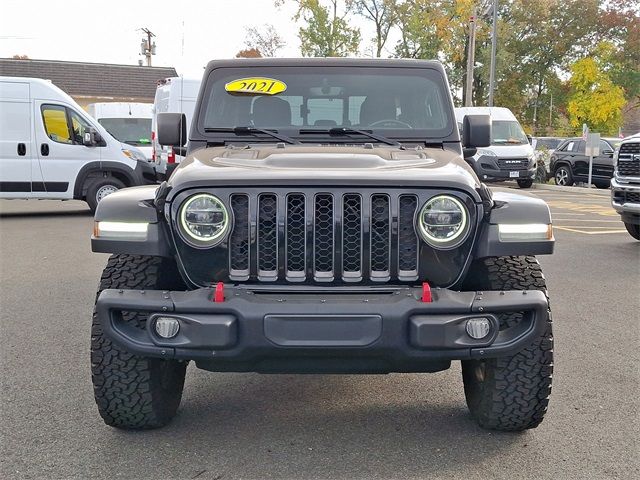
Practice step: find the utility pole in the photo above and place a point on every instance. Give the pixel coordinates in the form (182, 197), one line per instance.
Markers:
(551, 112)
(494, 44)
(468, 99)
(147, 48)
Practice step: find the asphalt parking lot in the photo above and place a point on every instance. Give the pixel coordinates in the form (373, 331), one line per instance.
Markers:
(285, 426)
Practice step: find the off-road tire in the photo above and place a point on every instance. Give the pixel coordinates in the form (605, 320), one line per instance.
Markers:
(98, 183)
(633, 229)
(525, 183)
(135, 392)
(510, 393)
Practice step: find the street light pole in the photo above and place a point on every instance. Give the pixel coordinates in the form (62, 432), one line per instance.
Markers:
(468, 99)
(494, 44)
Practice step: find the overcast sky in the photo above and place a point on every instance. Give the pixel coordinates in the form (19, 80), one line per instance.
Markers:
(189, 33)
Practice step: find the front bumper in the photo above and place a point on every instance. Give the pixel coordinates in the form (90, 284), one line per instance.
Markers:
(625, 199)
(487, 169)
(306, 330)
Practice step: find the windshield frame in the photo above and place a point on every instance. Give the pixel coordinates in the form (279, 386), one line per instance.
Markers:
(404, 135)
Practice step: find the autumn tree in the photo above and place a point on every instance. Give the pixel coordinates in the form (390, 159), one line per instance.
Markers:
(595, 99)
(265, 40)
(327, 32)
(249, 53)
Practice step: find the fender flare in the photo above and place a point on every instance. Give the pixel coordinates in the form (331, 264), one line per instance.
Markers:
(102, 166)
(557, 164)
(513, 208)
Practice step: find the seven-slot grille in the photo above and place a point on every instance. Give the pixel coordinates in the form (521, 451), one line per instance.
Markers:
(513, 163)
(629, 160)
(324, 237)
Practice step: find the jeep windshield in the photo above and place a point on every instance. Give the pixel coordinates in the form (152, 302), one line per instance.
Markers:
(328, 104)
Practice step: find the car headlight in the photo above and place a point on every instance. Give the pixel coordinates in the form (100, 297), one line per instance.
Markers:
(203, 220)
(443, 222)
(134, 155)
(485, 152)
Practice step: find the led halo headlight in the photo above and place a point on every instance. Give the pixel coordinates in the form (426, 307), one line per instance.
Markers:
(443, 222)
(203, 220)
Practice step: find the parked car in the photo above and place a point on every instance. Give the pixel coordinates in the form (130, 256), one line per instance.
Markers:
(570, 164)
(50, 148)
(127, 121)
(347, 236)
(625, 185)
(543, 148)
(173, 95)
(510, 155)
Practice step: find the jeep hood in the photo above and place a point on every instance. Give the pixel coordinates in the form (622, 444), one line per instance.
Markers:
(324, 166)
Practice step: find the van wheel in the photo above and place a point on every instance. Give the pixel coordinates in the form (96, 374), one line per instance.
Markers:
(633, 229)
(100, 188)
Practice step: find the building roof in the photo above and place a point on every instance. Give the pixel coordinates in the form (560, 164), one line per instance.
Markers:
(83, 79)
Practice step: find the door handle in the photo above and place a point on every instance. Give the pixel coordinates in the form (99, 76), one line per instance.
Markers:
(22, 149)
(44, 149)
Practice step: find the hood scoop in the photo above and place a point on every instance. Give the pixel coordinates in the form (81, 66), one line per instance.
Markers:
(320, 161)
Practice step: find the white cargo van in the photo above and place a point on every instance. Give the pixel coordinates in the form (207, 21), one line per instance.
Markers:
(128, 122)
(510, 155)
(173, 95)
(51, 149)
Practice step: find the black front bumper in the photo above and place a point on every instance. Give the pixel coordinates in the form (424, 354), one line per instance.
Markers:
(487, 170)
(304, 330)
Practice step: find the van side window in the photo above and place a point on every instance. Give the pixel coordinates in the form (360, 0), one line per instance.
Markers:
(55, 123)
(78, 126)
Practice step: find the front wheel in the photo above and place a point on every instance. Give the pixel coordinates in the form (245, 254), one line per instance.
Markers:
(633, 229)
(134, 392)
(510, 393)
(563, 176)
(525, 183)
(100, 188)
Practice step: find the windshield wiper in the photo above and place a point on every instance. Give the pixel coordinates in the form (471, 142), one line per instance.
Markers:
(352, 131)
(252, 131)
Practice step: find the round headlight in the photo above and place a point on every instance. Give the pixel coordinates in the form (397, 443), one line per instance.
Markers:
(443, 222)
(204, 220)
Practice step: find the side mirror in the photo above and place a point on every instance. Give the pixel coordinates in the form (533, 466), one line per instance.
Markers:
(607, 153)
(476, 131)
(91, 138)
(172, 129)
(529, 139)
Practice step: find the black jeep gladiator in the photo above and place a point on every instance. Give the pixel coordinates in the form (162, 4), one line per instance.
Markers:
(323, 221)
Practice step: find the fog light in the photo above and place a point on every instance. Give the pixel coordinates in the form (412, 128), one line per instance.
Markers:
(478, 328)
(167, 327)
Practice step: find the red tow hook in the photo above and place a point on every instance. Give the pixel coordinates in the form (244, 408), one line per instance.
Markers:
(426, 293)
(218, 294)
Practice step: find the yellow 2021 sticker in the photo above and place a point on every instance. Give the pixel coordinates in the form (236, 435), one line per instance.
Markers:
(255, 86)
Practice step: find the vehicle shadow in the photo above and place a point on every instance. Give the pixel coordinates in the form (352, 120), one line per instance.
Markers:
(45, 213)
(324, 426)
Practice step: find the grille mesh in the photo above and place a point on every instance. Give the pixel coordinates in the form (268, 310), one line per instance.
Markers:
(267, 233)
(380, 233)
(407, 239)
(352, 233)
(295, 236)
(323, 233)
(239, 240)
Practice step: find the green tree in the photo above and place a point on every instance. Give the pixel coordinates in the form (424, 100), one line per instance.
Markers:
(595, 99)
(383, 14)
(326, 32)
